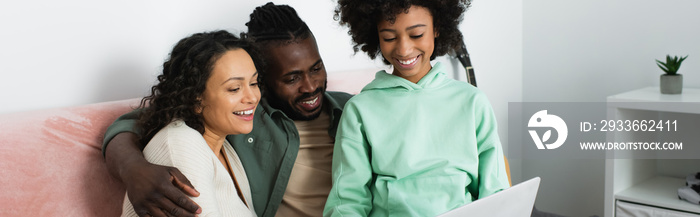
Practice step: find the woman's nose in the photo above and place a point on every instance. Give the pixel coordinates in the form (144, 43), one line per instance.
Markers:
(404, 47)
(252, 95)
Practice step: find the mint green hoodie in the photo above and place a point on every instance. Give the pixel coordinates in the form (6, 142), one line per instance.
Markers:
(405, 149)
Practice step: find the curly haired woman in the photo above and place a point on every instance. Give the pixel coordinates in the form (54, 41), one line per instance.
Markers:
(208, 89)
(414, 142)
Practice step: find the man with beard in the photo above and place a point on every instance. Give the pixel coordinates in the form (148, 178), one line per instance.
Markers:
(287, 156)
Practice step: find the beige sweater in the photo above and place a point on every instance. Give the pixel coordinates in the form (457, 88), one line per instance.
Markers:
(180, 146)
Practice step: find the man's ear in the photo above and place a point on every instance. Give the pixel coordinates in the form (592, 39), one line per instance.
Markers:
(436, 33)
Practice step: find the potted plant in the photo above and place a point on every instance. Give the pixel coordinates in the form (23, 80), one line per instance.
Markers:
(671, 82)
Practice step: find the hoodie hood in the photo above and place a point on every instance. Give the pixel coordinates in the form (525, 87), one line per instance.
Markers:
(384, 80)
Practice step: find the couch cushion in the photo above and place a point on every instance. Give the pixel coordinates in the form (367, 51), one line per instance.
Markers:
(52, 163)
(350, 81)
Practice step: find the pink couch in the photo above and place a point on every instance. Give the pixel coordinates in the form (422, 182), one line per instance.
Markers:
(51, 162)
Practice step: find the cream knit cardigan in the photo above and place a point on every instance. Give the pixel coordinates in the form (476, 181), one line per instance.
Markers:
(182, 147)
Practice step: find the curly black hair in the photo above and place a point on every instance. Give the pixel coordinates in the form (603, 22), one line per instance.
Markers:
(272, 23)
(184, 78)
(362, 16)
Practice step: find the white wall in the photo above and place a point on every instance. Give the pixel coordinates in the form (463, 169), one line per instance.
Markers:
(581, 51)
(587, 50)
(74, 52)
(77, 51)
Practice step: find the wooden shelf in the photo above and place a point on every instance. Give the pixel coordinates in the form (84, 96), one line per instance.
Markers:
(659, 191)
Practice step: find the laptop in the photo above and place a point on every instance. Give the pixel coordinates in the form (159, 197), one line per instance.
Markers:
(516, 201)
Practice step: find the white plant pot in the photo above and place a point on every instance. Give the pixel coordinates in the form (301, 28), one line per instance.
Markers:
(671, 84)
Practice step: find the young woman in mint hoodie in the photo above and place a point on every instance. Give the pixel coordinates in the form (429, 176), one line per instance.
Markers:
(414, 142)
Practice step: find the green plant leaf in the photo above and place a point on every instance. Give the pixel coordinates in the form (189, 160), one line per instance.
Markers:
(672, 67)
(672, 64)
(681, 60)
(661, 65)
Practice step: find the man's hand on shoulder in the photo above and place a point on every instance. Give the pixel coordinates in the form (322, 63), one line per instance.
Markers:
(156, 190)
(153, 190)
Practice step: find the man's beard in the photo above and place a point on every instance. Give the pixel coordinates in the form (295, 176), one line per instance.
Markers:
(288, 109)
